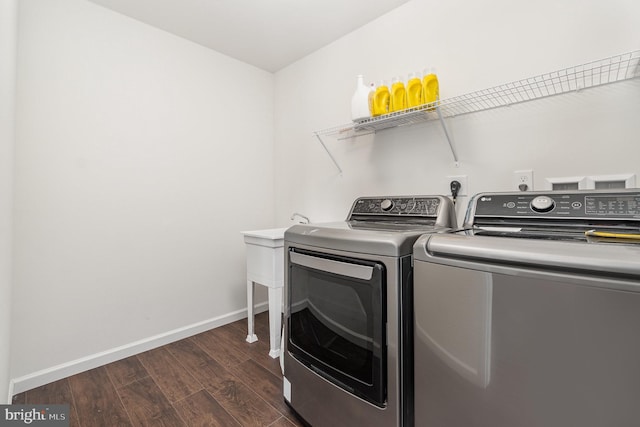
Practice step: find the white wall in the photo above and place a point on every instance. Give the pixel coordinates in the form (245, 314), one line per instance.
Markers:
(8, 33)
(140, 157)
(473, 45)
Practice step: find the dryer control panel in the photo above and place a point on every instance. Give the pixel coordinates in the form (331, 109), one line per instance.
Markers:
(426, 206)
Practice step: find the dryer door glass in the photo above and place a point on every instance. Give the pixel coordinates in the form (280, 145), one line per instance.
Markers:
(337, 319)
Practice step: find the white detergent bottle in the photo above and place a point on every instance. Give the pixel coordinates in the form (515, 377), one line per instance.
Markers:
(360, 101)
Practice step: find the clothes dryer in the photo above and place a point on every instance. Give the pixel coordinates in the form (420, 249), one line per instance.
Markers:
(348, 298)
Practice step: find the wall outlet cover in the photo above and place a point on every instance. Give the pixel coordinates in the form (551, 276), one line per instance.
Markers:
(523, 178)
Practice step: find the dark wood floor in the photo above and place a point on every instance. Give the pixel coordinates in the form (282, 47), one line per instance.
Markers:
(214, 378)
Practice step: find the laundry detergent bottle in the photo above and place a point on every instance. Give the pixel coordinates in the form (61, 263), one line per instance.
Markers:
(398, 100)
(414, 90)
(381, 99)
(360, 101)
(430, 87)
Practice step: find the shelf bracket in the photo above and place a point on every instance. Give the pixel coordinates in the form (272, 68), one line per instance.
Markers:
(329, 153)
(446, 134)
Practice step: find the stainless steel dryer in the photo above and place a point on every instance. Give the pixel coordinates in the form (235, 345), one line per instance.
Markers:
(523, 320)
(348, 290)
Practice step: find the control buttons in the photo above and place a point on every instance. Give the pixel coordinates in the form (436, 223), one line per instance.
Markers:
(386, 205)
(511, 205)
(576, 205)
(542, 204)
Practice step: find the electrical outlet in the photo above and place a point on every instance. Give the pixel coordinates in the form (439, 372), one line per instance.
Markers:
(523, 180)
(462, 179)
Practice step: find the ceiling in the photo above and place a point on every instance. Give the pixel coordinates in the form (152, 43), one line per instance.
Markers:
(269, 34)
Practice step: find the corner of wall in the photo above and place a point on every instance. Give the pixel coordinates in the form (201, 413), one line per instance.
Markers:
(8, 50)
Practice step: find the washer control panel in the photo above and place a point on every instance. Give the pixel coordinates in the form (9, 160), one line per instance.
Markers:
(396, 206)
(579, 205)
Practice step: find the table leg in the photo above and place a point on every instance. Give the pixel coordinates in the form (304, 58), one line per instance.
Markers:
(275, 321)
(251, 336)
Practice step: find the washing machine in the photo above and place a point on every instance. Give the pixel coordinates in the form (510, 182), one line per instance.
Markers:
(531, 316)
(348, 301)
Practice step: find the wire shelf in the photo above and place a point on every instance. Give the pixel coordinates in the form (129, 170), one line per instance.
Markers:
(596, 73)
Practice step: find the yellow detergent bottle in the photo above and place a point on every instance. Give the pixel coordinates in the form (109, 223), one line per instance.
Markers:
(381, 99)
(414, 90)
(398, 96)
(430, 88)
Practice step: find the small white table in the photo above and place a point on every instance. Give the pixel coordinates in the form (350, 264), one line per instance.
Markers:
(265, 266)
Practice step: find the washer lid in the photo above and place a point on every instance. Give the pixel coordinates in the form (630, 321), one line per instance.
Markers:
(384, 239)
(548, 255)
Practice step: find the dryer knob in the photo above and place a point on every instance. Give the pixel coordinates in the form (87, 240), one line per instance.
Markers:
(542, 204)
(386, 205)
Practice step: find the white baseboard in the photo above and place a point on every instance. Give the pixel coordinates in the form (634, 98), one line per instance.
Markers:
(11, 393)
(63, 370)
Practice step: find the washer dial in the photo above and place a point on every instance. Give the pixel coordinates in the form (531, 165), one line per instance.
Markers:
(543, 204)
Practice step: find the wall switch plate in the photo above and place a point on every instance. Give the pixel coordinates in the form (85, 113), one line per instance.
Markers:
(619, 181)
(566, 183)
(523, 180)
(462, 179)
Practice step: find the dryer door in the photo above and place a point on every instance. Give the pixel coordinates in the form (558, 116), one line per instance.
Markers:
(337, 320)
